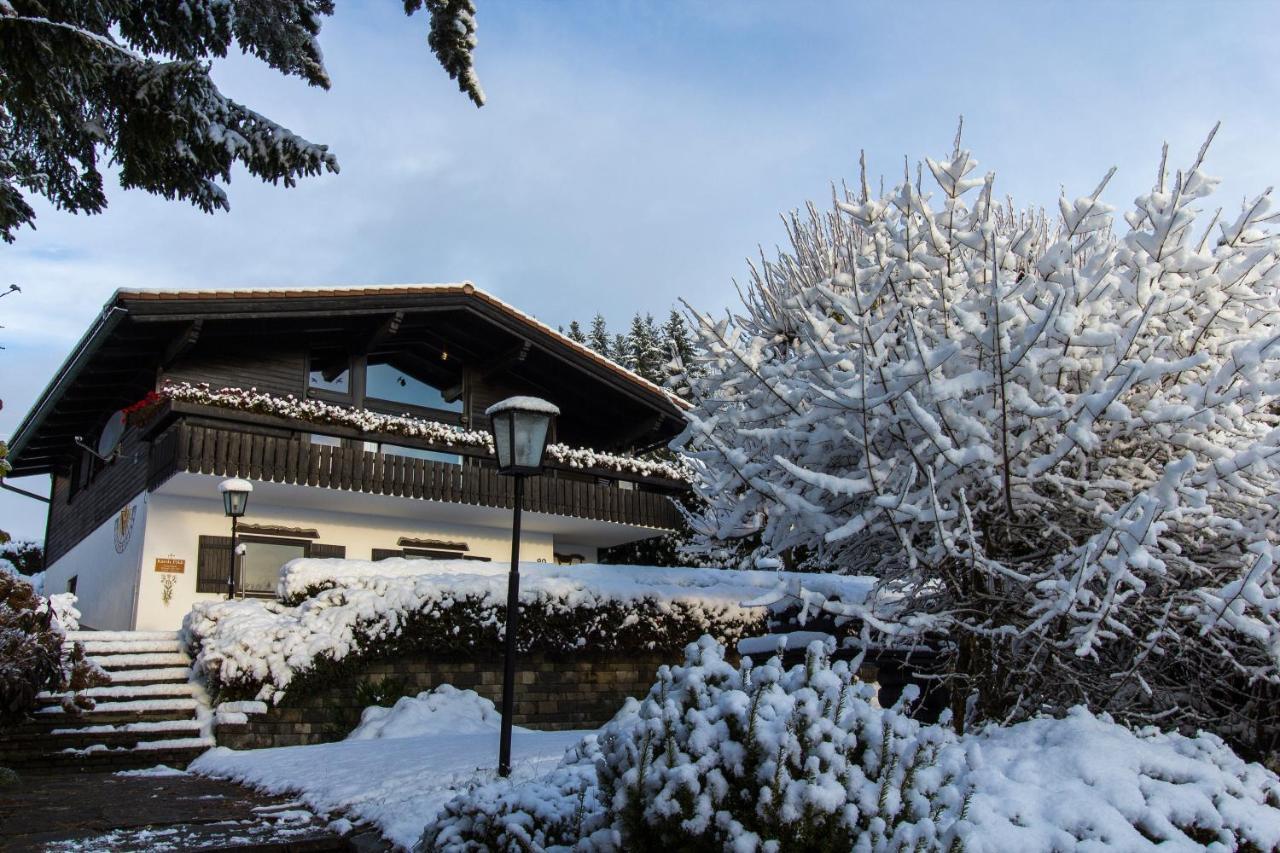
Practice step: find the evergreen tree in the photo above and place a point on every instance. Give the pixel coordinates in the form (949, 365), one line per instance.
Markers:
(598, 338)
(677, 347)
(575, 333)
(131, 80)
(644, 348)
(620, 351)
(676, 338)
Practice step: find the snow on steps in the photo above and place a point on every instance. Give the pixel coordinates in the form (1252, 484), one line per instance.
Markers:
(134, 661)
(127, 691)
(150, 675)
(150, 711)
(120, 636)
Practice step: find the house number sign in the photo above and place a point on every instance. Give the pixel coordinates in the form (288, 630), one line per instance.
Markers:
(171, 564)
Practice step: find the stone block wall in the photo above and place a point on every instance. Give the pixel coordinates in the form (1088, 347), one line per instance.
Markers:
(551, 693)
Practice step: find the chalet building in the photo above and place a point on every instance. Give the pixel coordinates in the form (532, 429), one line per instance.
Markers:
(357, 414)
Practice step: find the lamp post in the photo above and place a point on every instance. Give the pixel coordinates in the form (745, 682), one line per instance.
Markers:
(521, 427)
(235, 499)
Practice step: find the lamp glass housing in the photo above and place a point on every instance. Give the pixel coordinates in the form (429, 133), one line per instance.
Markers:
(234, 502)
(520, 439)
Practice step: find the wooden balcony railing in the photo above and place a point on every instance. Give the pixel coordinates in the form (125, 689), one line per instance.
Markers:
(257, 456)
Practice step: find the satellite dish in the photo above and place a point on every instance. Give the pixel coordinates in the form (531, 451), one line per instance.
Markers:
(109, 440)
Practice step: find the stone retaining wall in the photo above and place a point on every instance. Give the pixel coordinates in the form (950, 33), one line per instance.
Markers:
(551, 693)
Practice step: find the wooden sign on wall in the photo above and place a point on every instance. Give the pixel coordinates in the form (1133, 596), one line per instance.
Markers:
(171, 564)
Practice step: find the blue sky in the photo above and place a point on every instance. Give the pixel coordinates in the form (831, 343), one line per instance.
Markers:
(633, 153)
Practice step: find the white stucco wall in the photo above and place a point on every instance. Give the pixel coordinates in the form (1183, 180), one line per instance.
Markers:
(105, 564)
(175, 524)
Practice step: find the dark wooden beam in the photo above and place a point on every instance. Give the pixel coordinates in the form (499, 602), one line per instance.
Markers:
(644, 427)
(506, 361)
(384, 330)
(184, 341)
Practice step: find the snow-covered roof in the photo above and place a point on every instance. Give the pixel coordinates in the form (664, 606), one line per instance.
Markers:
(465, 288)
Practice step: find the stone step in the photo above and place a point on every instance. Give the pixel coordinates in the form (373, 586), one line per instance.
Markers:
(94, 648)
(142, 660)
(152, 675)
(110, 759)
(132, 706)
(161, 706)
(126, 692)
(81, 636)
(49, 722)
(29, 747)
(122, 734)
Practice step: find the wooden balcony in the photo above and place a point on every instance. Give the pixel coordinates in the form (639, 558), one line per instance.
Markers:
(254, 454)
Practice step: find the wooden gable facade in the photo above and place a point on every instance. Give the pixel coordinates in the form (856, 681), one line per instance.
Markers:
(369, 349)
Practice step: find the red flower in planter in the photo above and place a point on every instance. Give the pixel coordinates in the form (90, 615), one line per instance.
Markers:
(139, 413)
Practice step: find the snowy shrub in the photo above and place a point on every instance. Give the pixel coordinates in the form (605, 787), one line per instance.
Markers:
(560, 811)
(33, 657)
(1055, 441)
(444, 710)
(762, 758)
(353, 610)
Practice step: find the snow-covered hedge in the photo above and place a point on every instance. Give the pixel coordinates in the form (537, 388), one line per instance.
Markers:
(742, 759)
(447, 435)
(349, 610)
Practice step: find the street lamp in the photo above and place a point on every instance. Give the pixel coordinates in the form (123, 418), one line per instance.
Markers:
(521, 427)
(235, 499)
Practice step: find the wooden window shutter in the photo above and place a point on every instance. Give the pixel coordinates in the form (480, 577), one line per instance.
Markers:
(213, 565)
(386, 553)
(318, 550)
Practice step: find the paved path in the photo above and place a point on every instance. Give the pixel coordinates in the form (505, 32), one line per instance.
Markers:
(86, 812)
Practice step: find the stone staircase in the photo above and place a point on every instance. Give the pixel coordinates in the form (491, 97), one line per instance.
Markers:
(149, 714)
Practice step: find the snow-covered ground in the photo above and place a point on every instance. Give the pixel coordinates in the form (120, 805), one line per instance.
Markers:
(399, 766)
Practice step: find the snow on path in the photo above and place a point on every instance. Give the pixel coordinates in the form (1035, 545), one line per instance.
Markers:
(398, 784)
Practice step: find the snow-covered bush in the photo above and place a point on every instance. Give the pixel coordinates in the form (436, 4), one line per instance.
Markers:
(444, 710)
(724, 758)
(1054, 440)
(33, 655)
(353, 610)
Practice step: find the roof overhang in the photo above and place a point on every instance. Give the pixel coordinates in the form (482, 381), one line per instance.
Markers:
(105, 369)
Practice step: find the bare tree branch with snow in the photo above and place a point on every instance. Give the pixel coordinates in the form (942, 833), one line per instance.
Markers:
(1055, 442)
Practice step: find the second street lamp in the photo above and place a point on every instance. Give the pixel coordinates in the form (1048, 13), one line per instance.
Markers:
(235, 500)
(521, 428)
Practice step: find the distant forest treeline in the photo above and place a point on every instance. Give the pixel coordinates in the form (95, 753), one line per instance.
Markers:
(649, 349)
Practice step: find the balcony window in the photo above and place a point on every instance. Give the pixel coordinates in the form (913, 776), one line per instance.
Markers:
(260, 564)
(330, 373)
(388, 383)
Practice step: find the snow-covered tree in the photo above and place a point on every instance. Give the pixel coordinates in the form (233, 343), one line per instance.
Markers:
(598, 337)
(646, 355)
(575, 333)
(1055, 441)
(131, 80)
(620, 351)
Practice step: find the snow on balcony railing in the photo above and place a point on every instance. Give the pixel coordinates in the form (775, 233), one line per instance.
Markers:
(444, 435)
